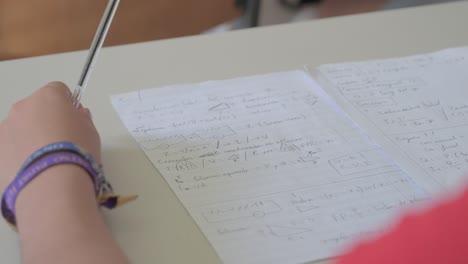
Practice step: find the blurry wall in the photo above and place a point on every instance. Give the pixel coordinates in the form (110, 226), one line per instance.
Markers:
(38, 27)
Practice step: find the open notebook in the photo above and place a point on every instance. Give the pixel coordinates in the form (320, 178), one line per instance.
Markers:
(278, 168)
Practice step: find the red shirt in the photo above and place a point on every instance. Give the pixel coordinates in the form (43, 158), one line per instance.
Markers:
(438, 235)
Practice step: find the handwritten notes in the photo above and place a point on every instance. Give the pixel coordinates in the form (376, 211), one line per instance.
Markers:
(268, 166)
(415, 107)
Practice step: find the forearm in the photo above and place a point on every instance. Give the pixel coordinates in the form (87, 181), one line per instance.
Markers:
(59, 221)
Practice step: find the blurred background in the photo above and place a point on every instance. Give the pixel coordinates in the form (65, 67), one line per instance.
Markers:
(39, 27)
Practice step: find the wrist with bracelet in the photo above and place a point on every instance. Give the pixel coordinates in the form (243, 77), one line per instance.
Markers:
(58, 154)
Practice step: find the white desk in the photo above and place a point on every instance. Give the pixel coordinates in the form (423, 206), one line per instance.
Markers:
(157, 229)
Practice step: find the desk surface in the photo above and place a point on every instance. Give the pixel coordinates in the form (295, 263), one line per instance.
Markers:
(157, 229)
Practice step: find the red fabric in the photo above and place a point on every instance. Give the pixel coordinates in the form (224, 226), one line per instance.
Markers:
(439, 235)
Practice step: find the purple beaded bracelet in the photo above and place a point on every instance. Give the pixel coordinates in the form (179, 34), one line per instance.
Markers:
(27, 175)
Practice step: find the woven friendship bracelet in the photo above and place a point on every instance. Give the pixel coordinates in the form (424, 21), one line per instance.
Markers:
(104, 190)
(56, 154)
(28, 174)
(71, 147)
(55, 147)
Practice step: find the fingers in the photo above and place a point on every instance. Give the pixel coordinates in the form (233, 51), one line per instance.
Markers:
(56, 92)
(87, 112)
(56, 88)
(60, 93)
(59, 88)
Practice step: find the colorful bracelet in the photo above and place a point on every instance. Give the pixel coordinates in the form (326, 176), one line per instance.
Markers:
(104, 190)
(28, 174)
(56, 147)
(57, 154)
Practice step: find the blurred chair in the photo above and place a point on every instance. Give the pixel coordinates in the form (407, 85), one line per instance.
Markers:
(251, 13)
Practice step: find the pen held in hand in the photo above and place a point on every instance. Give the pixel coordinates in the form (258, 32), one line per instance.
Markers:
(94, 50)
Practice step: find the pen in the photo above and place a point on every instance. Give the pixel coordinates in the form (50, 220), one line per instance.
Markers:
(94, 50)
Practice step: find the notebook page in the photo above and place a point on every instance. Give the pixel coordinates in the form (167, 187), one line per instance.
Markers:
(268, 166)
(415, 107)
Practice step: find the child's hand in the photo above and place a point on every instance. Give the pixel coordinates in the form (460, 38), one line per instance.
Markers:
(45, 117)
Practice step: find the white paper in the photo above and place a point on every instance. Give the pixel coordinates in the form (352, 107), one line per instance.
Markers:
(269, 168)
(415, 107)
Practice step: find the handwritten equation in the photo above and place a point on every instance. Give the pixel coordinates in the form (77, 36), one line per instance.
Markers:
(267, 162)
(417, 102)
